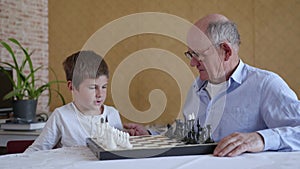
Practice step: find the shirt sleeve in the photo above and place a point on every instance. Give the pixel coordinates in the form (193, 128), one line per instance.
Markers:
(114, 117)
(280, 109)
(49, 136)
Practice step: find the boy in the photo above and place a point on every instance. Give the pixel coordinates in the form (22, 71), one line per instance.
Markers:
(87, 77)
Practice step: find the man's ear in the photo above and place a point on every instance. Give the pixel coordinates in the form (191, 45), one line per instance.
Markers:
(69, 85)
(227, 49)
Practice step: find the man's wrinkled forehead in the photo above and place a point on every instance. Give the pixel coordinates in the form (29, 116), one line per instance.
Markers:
(197, 40)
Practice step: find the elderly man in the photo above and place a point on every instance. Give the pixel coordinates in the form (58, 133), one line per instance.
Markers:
(249, 109)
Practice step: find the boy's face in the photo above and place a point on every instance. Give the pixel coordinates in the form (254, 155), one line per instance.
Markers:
(90, 95)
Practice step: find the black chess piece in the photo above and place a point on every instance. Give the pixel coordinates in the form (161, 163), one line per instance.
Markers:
(169, 132)
(193, 139)
(198, 130)
(209, 139)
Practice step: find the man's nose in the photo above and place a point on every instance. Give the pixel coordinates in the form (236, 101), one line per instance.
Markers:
(194, 62)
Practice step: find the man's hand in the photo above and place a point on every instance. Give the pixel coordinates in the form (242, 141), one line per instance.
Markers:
(135, 129)
(238, 143)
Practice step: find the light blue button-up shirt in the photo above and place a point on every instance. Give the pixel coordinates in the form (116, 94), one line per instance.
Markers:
(254, 100)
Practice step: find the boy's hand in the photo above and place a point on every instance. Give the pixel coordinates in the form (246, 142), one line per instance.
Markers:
(238, 143)
(135, 129)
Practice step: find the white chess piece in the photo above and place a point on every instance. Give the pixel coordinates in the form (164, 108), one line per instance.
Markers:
(110, 141)
(191, 116)
(111, 137)
(116, 138)
(120, 139)
(100, 130)
(104, 137)
(127, 141)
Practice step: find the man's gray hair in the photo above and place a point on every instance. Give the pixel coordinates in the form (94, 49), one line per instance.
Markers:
(219, 32)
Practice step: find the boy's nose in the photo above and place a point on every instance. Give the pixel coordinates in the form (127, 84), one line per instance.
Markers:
(98, 93)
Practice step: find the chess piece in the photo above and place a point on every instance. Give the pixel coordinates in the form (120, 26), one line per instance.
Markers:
(209, 139)
(109, 139)
(198, 130)
(189, 123)
(179, 132)
(191, 137)
(122, 139)
(203, 135)
(127, 143)
(100, 130)
(189, 132)
(169, 132)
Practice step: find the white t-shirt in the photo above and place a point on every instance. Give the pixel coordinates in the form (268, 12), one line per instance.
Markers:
(215, 89)
(69, 127)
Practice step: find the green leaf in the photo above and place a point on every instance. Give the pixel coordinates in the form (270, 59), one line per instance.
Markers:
(24, 87)
(28, 59)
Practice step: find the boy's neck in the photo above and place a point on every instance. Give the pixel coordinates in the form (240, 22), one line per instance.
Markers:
(89, 113)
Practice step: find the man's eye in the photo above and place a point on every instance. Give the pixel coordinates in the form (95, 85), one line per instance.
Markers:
(92, 87)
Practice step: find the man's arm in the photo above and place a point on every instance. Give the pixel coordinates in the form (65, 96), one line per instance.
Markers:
(238, 143)
(280, 109)
(135, 129)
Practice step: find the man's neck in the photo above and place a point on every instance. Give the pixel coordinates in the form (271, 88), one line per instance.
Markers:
(232, 68)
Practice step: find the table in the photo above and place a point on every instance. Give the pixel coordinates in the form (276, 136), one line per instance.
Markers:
(5, 136)
(82, 157)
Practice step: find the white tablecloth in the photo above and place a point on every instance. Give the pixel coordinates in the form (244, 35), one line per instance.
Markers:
(83, 158)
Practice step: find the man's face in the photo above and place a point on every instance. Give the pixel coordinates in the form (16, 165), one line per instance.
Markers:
(209, 57)
(91, 94)
(199, 63)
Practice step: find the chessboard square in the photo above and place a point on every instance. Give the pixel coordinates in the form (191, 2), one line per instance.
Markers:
(152, 146)
(155, 141)
(164, 145)
(138, 144)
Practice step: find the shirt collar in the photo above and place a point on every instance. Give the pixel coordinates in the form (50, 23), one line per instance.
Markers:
(237, 74)
(236, 77)
(81, 114)
(199, 84)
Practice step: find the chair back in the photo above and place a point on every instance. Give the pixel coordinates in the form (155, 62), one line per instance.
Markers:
(17, 146)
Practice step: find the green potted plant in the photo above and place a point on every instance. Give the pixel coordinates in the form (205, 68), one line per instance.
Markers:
(25, 91)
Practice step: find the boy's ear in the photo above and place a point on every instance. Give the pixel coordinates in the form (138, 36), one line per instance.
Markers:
(69, 85)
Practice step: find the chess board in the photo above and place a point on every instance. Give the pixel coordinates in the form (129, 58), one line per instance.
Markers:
(149, 146)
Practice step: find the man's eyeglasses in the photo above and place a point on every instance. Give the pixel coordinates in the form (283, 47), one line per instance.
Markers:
(198, 56)
(191, 54)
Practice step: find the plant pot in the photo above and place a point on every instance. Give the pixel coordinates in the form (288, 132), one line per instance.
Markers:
(24, 110)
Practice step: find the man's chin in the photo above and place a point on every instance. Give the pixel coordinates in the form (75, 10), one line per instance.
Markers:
(203, 77)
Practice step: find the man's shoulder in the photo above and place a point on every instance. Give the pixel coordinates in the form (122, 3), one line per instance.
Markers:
(259, 72)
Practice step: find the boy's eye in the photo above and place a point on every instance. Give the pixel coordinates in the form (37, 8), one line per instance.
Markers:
(92, 87)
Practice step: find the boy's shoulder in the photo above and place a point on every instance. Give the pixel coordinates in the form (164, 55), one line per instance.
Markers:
(65, 109)
(110, 108)
(66, 106)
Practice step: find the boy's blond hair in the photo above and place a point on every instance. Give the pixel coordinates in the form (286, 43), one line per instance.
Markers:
(84, 65)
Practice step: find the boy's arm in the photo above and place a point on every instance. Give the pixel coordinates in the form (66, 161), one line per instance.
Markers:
(48, 137)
